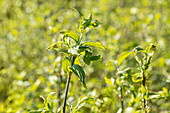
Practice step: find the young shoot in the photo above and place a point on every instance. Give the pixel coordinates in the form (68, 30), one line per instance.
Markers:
(74, 49)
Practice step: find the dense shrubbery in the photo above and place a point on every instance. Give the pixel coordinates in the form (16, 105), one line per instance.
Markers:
(27, 70)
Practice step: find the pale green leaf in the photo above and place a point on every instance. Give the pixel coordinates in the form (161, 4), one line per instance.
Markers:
(143, 90)
(120, 110)
(77, 61)
(149, 47)
(109, 81)
(95, 44)
(65, 65)
(85, 99)
(123, 56)
(60, 109)
(71, 34)
(50, 95)
(81, 102)
(79, 13)
(154, 96)
(51, 46)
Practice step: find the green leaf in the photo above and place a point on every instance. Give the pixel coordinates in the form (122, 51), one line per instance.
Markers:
(86, 22)
(83, 48)
(146, 66)
(66, 40)
(50, 95)
(95, 44)
(87, 57)
(120, 110)
(97, 57)
(81, 102)
(65, 65)
(79, 72)
(139, 49)
(126, 70)
(42, 98)
(95, 23)
(165, 90)
(89, 19)
(65, 51)
(136, 80)
(71, 107)
(109, 81)
(112, 62)
(35, 111)
(123, 56)
(85, 99)
(143, 90)
(154, 96)
(46, 102)
(51, 46)
(138, 59)
(152, 93)
(71, 34)
(149, 47)
(77, 61)
(120, 81)
(60, 109)
(49, 106)
(75, 110)
(79, 13)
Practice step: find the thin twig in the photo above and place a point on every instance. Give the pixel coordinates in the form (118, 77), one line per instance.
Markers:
(143, 82)
(121, 98)
(67, 87)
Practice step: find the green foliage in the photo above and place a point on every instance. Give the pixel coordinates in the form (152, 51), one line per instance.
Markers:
(136, 83)
(70, 34)
(74, 51)
(47, 106)
(65, 65)
(77, 50)
(79, 72)
(95, 44)
(123, 56)
(87, 57)
(81, 102)
(27, 70)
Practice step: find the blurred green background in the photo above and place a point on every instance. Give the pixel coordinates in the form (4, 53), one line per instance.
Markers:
(28, 70)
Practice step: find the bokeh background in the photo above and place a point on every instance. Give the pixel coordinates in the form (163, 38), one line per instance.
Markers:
(28, 70)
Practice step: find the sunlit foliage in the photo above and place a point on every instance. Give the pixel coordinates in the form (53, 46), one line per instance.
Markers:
(28, 70)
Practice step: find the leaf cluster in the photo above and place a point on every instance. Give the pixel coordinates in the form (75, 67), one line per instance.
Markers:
(75, 48)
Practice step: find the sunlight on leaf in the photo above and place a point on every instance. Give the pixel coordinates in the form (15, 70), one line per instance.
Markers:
(71, 34)
(123, 56)
(95, 44)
